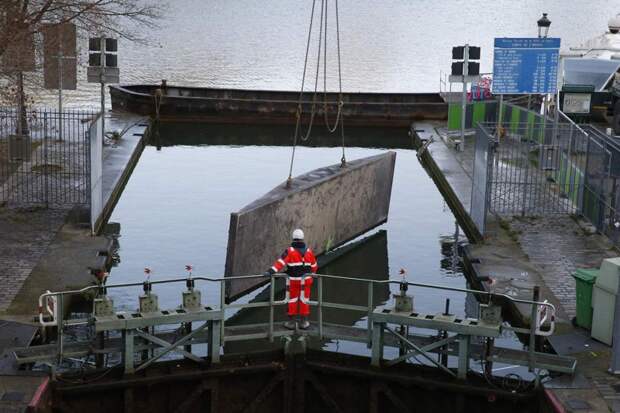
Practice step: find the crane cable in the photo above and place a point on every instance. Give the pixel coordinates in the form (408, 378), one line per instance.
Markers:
(299, 111)
(340, 99)
(306, 136)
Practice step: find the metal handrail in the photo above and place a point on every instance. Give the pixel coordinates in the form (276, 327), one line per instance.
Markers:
(542, 307)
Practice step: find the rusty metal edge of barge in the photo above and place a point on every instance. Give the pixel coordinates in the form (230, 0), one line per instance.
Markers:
(242, 106)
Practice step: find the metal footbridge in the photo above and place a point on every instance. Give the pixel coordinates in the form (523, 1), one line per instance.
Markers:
(199, 330)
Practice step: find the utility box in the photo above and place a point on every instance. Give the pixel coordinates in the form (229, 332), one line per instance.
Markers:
(20, 147)
(584, 284)
(604, 300)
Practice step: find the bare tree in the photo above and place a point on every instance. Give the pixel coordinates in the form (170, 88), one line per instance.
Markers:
(21, 19)
(21, 22)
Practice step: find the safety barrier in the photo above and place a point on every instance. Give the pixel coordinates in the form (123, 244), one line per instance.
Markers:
(45, 157)
(490, 325)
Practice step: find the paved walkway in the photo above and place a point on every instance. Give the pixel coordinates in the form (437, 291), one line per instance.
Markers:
(558, 245)
(25, 236)
(37, 237)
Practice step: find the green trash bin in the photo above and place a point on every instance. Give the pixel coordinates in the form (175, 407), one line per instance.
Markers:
(584, 280)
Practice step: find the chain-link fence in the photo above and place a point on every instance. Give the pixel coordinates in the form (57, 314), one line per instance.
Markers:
(44, 158)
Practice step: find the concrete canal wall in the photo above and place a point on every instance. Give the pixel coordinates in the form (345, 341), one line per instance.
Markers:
(517, 253)
(331, 204)
(120, 158)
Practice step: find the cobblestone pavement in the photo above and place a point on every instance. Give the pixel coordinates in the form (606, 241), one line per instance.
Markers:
(558, 245)
(25, 236)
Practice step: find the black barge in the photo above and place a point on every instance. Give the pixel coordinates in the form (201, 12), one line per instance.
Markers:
(194, 104)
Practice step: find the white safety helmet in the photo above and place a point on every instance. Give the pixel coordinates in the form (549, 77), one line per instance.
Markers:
(298, 234)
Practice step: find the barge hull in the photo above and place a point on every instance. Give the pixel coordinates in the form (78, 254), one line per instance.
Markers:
(275, 107)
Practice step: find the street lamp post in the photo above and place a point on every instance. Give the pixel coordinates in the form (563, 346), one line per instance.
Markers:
(543, 26)
(543, 31)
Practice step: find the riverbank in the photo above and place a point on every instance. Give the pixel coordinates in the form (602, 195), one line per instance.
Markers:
(517, 253)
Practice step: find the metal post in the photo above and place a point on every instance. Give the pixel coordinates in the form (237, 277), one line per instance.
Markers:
(187, 329)
(214, 328)
(272, 286)
(556, 120)
(533, 317)
(560, 81)
(584, 184)
(222, 308)
(500, 114)
(527, 170)
(377, 344)
(568, 168)
(529, 101)
(463, 357)
(369, 321)
(60, 326)
(102, 110)
(443, 356)
(320, 305)
(488, 353)
(128, 351)
(455, 247)
(60, 69)
(102, 77)
(612, 201)
(45, 164)
(464, 96)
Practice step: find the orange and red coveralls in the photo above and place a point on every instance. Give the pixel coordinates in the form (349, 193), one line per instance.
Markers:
(299, 262)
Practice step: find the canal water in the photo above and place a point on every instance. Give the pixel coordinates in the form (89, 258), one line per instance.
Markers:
(387, 46)
(176, 207)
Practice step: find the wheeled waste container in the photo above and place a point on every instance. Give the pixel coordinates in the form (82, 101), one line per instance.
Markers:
(584, 282)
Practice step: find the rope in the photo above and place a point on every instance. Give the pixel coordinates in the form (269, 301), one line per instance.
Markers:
(343, 160)
(298, 114)
(316, 77)
(340, 100)
(301, 93)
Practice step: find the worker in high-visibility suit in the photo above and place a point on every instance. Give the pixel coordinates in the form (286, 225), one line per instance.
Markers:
(300, 263)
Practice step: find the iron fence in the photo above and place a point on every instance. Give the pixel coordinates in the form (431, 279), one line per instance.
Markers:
(601, 193)
(532, 165)
(44, 158)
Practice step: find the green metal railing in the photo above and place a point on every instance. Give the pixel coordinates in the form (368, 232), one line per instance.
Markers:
(214, 333)
(512, 116)
(546, 309)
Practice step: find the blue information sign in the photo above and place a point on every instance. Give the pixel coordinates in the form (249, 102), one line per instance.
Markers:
(525, 65)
